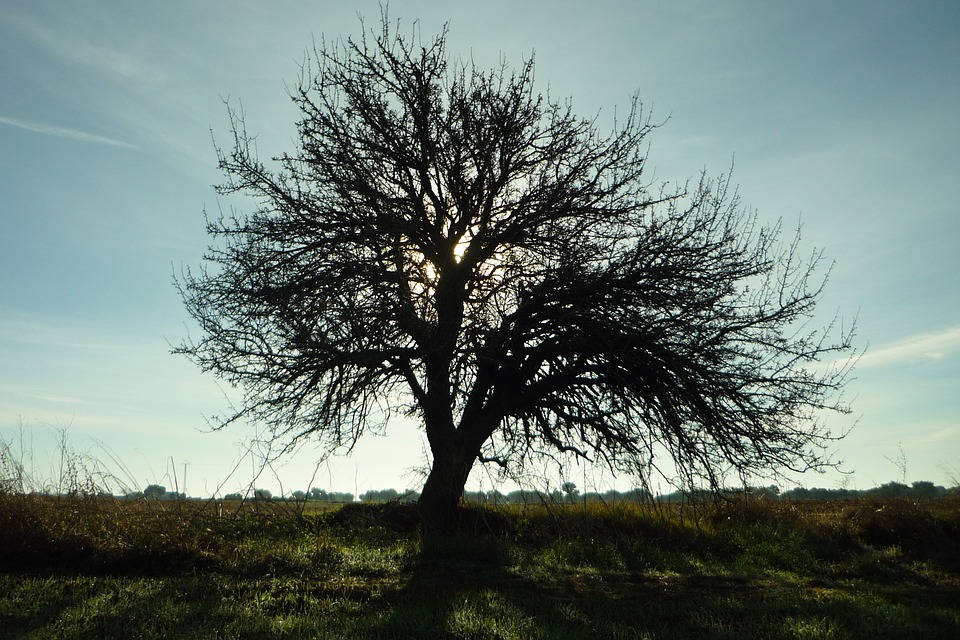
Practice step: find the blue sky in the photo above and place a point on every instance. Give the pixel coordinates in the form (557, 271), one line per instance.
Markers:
(844, 117)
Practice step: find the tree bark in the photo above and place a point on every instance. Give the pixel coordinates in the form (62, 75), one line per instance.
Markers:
(444, 487)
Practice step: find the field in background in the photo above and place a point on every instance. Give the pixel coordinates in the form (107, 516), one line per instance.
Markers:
(100, 567)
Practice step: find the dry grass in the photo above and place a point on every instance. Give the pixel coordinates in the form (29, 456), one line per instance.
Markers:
(82, 564)
(101, 567)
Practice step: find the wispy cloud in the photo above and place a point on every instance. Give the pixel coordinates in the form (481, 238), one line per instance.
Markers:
(64, 132)
(98, 42)
(921, 347)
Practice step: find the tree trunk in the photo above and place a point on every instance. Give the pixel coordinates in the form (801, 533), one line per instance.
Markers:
(442, 492)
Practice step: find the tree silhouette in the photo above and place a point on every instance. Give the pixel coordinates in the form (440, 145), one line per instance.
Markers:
(448, 243)
(154, 491)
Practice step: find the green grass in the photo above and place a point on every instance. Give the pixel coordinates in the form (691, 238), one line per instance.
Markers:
(100, 568)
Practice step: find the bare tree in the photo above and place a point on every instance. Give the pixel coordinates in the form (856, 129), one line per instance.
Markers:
(449, 243)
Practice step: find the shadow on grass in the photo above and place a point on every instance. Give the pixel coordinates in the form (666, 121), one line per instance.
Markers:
(106, 607)
(477, 587)
(449, 597)
(466, 600)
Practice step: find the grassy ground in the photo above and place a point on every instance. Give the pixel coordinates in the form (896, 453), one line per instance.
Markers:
(99, 568)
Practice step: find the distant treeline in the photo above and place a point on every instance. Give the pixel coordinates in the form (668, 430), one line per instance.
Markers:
(570, 494)
(916, 490)
(920, 489)
(319, 495)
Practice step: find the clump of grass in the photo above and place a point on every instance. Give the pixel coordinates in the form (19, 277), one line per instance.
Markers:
(923, 529)
(56, 533)
(71, 472)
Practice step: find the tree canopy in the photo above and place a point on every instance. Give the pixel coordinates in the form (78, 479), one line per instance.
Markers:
(448, 243)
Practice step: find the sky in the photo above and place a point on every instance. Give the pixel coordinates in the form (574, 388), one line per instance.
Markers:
(841, 117)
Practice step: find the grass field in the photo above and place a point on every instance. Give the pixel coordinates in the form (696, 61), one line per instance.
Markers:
(105, 568)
